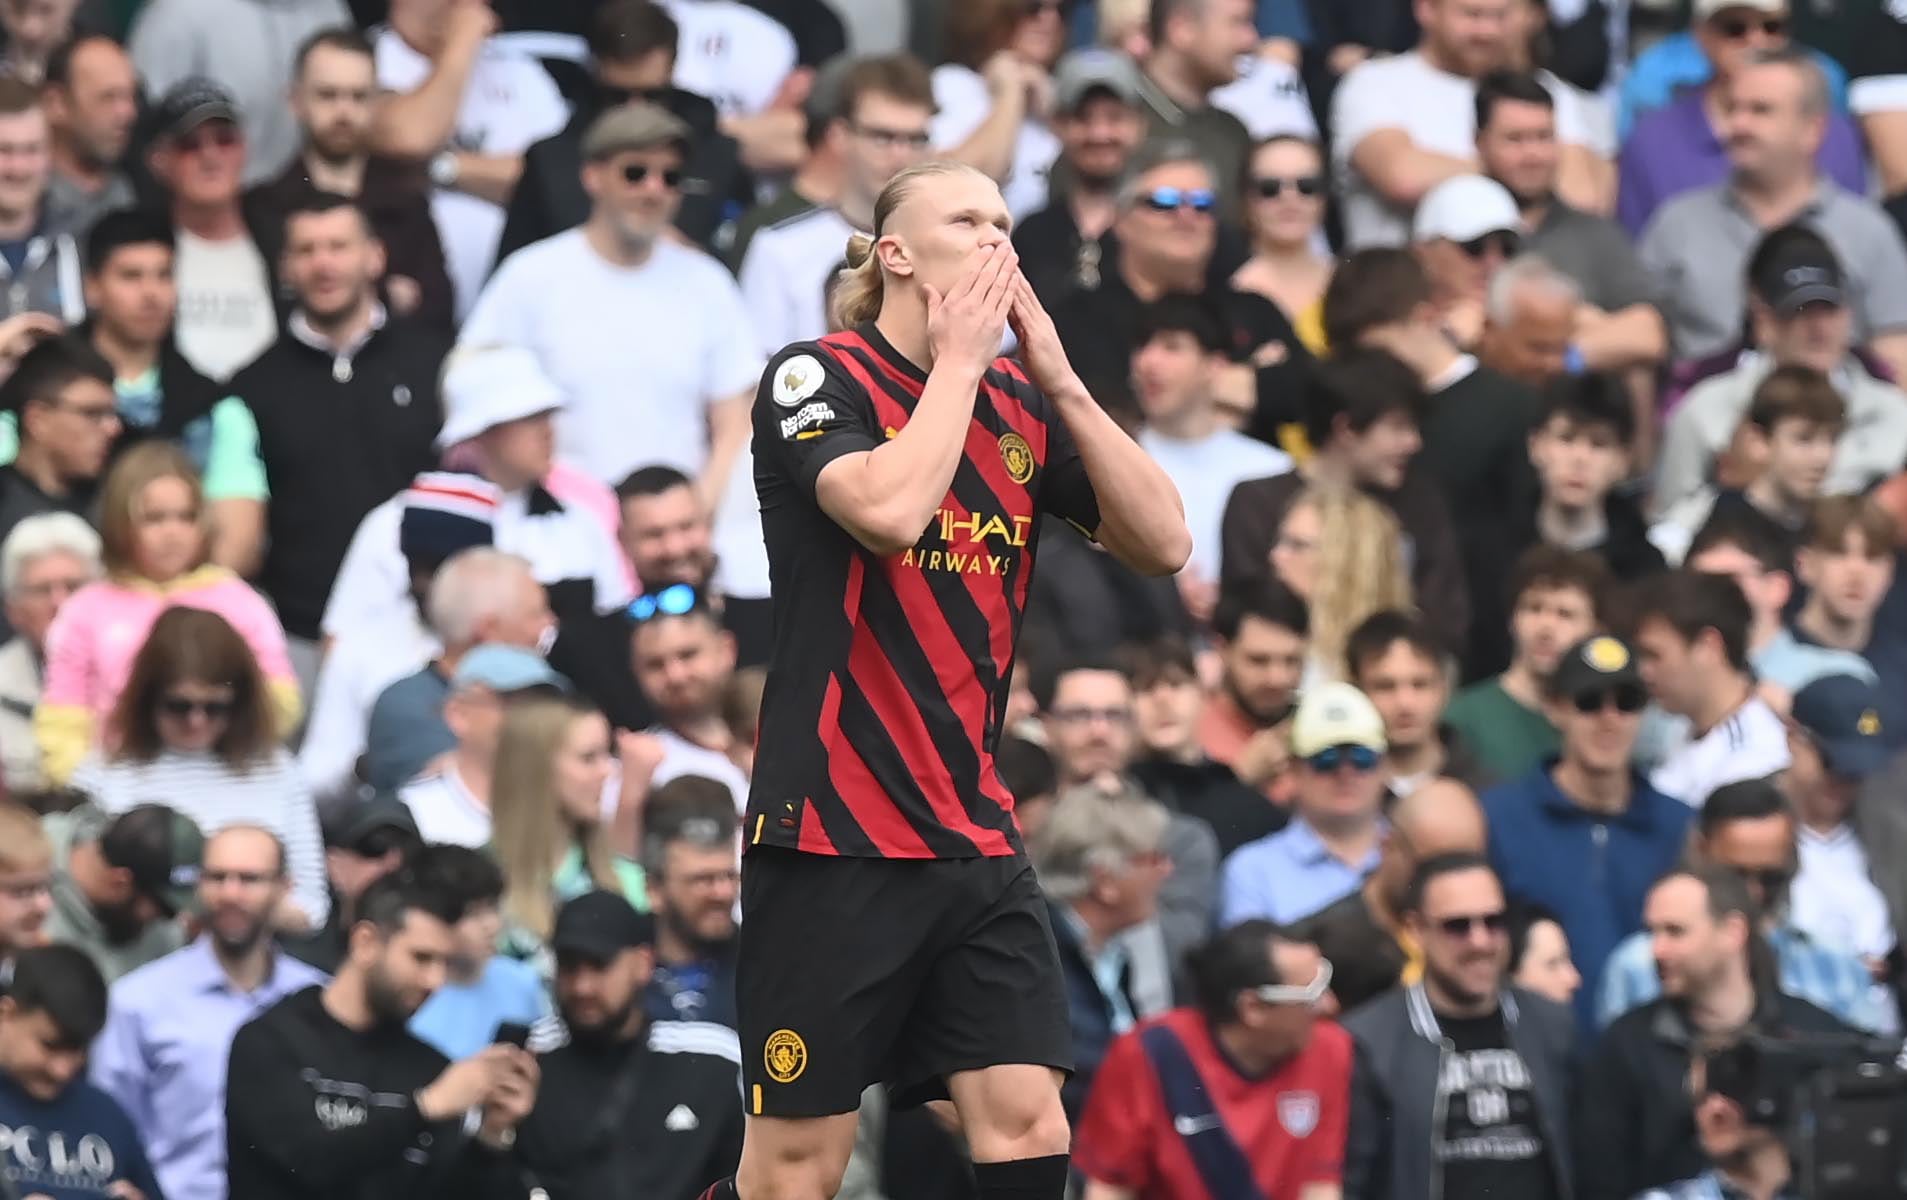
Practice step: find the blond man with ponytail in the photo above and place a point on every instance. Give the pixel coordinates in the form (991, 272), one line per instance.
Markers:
(893, 929)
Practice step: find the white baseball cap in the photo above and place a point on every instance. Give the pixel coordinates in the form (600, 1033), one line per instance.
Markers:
(1335, 714)
(488, 386)
(1704, 9)
(1465, 208)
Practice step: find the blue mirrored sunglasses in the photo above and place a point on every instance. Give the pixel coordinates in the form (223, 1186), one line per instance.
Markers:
(1329, 759)
(671, 601)
(1167, 199)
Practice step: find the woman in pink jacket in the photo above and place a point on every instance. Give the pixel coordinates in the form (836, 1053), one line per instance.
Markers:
(153, 535)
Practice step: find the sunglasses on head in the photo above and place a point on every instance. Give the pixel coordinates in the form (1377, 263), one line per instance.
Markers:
(216, 134)
(637, 173)
(1461, 927)
(1628, 699)
(1360, 758)
(1307, 994)
(1305, 185)
(678, 599)
(1171, 199)
(184, 708)
(1734, 29)
(1502, 241)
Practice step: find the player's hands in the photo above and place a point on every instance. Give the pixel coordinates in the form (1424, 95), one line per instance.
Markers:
(464, 1085)
(966, 325)
(1040, 346)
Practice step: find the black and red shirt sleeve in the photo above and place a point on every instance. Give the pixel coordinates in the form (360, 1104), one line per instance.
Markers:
(809, 413)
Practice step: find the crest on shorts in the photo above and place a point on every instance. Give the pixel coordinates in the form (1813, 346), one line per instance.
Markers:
(797, 379)
(1017, 456)
(1298, 1112)
(1606, 654)
(785, 1056)
(1869, 725)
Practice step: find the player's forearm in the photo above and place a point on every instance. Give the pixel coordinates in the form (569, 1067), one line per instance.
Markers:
(889, 495)
(1141, 517)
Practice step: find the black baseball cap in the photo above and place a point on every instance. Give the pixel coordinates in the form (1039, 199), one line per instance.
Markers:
(600, 925)
(1842, 714)
(349, 825)
(161, 849)
(190, 103)
(1804, 271)
(1595, 665)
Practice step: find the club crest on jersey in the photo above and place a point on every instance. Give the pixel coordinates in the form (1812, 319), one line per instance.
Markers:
(785, 1056)
(1298, 1112)
(797, 379)
(1017, 456)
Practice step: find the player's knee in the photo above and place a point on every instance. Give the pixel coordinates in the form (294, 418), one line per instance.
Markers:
(791, 1179)
(803, 1160)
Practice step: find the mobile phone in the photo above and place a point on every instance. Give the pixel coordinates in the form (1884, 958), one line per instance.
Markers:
(511, 1033)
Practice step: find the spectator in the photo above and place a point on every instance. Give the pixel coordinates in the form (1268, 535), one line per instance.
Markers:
(667, 537)
(227, 309)
(347, 381)
(1393, 658)
(1331, 844)
(61, 395)
(1464, 233)
(1616, 324)
(365, 839)
(683, 660)
(1286, 193)
(26, 882)
(31, 34)
(1256, 1037)
(452, 799)
(1581, 449)
(91, 97)
(1635, 1127)
(992, 95)
(1847, 563)
(1539, 955)
(1691, 639)
(1700, 242)
(40, 258)
(1097, 116)
(816, 178)
(132, 301)
(152, 516)
(742, 58)
(1555, 597)
(299, 1113)
(1798, 316)
(54, 1006)
(170, 1025)
(632, 50)
(1365, 931)
(553, 770)
(882, 128)
(1194, 50)
(1529, 322)
(119, 883)
(694, 881)
(1342, 553)
(1261, 633)
(1584, 834)
(482, 990)
(1488, 1113)
(194, 728)
(1180, 351)
(1742, 1137)
(178, 40)
(1683, 145)
(629, 1102)
(1168, 706)
(1407, 123)
(43, 562)
(1360, 429)
(1793, 422)
(469, 106)
(1101, 860)
(333, 96)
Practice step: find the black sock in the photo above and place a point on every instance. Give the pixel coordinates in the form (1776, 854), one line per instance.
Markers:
(724, 1190)
(1022, 1178)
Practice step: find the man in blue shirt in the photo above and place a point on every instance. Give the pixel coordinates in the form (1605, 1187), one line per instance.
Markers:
(163, 1053)
(1584, 835)
(67, 1140)
(482, 989)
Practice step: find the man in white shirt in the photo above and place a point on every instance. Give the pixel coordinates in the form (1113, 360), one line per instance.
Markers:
(227, 316)
(684, 659)
(1691, 639)
(787, 276)
(1181, 344)
(469, 105)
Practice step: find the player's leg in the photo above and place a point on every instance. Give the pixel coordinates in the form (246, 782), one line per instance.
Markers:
(784, 1158)
(1016, 1130)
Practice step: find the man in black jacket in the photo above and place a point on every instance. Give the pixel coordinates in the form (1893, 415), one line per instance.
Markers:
(629, 1107)
(1461, 1084)
(330, 1098)
(1635, 1126)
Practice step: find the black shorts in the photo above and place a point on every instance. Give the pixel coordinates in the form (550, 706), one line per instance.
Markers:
(854, 971)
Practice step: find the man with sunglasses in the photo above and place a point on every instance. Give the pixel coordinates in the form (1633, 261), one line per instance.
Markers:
(119, 883)
(1463, 1083)
(1464, 232)
(366, 837)
(1583, 834)
(683, 660)
(1245, 1092)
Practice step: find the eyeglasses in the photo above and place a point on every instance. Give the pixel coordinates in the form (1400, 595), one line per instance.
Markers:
(1086, 716)
(1769, 880)
(1736, 29)
(1329, 759)
(636, 174)
(101, 414)
(1171, 199)
(184, 708)
(1628, 699)
(1505, 243)
(218, 136)
(1493, 923)
(678, 599)
(247, 878)
(1307, 994)
(1305, 185)
(890, 139)
(47, 589)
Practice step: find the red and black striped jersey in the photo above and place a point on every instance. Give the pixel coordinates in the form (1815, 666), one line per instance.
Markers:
(887, 688)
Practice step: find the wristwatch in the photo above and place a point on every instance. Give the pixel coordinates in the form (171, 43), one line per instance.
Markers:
(444, 169)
